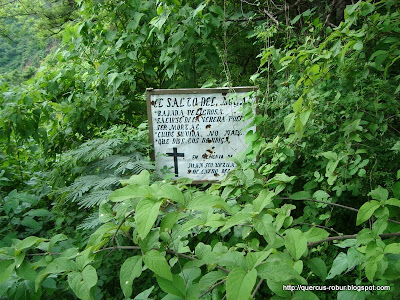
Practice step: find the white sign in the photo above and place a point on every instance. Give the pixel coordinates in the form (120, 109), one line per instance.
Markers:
(196, 131)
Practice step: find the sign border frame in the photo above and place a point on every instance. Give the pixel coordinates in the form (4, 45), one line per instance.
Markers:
(151, 91)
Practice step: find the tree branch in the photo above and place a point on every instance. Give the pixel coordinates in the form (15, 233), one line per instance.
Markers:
(212, 287)
(350, 236)
(257, 287)
(330, 203)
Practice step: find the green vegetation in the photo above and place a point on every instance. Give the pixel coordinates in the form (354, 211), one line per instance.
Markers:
(314, 200)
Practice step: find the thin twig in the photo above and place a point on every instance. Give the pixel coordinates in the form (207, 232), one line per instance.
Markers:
(257, 287)
(271, 17)
(319, 226)
(330, 203)
(212, 287)
(350, 236)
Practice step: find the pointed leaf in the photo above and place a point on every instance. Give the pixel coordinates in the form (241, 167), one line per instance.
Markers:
(240, 283)
(156, 262)
(130, 269)
(146, 214)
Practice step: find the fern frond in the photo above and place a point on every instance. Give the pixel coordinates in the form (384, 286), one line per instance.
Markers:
(91, 222)
(94, 198)
(81, 185)
(107, 183)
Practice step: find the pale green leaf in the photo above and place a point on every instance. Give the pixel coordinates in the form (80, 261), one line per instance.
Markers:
(339, 265)
(236, 219)
(366, 211)
(240, 283)
(157, 263)
(295, 243)
(318, 266)
(146, 214)
(171, 192)
(176, 286)
(130, 269)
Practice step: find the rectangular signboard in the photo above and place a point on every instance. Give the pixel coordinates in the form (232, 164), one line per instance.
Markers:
(196, 131)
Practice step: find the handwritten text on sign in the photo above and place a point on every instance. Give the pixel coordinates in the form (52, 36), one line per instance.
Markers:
(195, 134)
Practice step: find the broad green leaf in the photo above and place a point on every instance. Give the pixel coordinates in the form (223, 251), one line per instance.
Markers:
(295, 243)
(79, 286)
(315, 234)
(393, 202)
(396, 190)
(7, 268)
(240, 283)
(253, 259)
(171, 192)
(393, 248)
(263, 199)
(146, 214)
(169, 221)
(176, 286)
(366, 211)
(379, 193)
(89, 275)
(141, 179)
(370, 270)
(130, 269)
(236, 219)
(304, 295)
(205, 202)
(26, 271)
(318, 266)
(145, 294)
(157, 263)
(330, 155)
(129, 192)
(176, 37)
(265, 228)
(288, 121)
(209, 279)
(133, 24)
(300, 195)
(28, 242)
(339, 265)
(351, 295)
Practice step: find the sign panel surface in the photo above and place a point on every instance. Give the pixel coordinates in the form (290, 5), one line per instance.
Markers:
(196, 131)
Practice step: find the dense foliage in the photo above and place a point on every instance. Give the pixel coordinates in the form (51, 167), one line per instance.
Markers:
(313, 201)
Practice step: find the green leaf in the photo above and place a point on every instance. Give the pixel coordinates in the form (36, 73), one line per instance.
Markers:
(156, 262)
(300, 195)
(318, 267)
(240, 283)
(145, 294)
(295, 243)
(396, 190)
(396, 146)
(236, 219)
(80, 286)
(288, 121)
(370, 270)
(351, 295)
(393, 202)
(146, 214)
(379, 194)
(89, 276)
(142, 179)
(7, 268)
(176, 286)
(176, 37)
(315, 234)
(130, 269)
(366, 211)
(263, 199)
(111, 78)
(393, 248)
(206, 201)
(134, 23)
(209, 279)
(367, 8)
(171, 192)
(339, 265)
(304, 295)
(27, 243)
